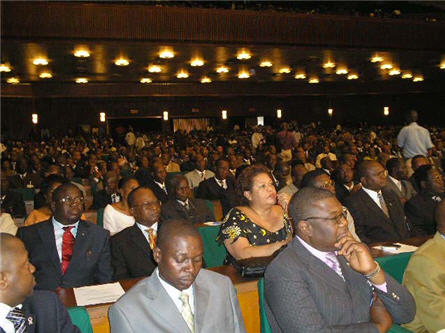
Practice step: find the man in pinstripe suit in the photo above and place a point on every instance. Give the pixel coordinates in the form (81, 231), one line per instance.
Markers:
(326, 281)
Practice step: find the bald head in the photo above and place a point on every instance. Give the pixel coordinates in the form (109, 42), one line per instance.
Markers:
(440, 217)
(9, 246)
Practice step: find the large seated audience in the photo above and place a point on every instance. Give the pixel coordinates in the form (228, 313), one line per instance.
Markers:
(309, 196)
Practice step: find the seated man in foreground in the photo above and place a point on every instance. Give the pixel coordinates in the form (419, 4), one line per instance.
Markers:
(424, 277)
(67, 251)
(325, 281)
(179, 296)
(21, 308)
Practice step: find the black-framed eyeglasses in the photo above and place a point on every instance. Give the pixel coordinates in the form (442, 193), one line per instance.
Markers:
(147, 204)
(72, 201)
(337, 219)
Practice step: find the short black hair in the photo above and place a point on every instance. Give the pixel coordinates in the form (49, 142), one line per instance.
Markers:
(392, 164)
(168, 229)
(124, 181)
(220, 160)
(57, 194)
(302, 202)
(50, 181)
(363, 167)
(130, 198)
(421, 174)
(310, 177)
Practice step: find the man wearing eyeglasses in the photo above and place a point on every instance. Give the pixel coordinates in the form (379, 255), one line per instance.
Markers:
(378, 213)
(325, 280)
(67, 251)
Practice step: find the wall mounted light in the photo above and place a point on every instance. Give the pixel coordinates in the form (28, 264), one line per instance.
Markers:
(165, 115)
(35, 118)
(102, 117)
(386, 111)
(330, 112)
(279, 115)
(224, 114)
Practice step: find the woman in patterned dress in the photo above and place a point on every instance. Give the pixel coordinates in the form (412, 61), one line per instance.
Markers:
(260, 226)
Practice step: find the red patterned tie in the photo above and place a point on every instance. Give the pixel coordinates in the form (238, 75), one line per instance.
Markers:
(67, 248)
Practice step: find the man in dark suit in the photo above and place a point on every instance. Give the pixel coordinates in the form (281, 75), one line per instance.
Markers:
(24, 176)
(131, 248)
(420, 209)
(221, 187)
(157, 182)
(378, 214)
(68, 252)
(11, 202)
(21, 308)
(397, 180)
(181, 206)
(344, 182)
(325, 281)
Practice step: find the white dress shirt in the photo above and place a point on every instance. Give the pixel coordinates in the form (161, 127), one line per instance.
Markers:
(162, 185)
(374, 195)
(144, 228)
(175, 293)
(5, 324)
(397, 182)
(58, 234)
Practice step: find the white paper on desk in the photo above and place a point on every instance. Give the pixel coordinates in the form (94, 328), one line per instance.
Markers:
(100, 294)
(396, 250)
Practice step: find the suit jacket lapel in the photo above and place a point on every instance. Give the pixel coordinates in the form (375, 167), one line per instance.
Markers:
(29, 319)
(164, 306)
(373, 206)
(80, 246)
(139, 239)
(201, 300)
(46, 233)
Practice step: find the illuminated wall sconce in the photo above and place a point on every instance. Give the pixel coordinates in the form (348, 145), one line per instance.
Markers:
(279, 115)
(35, 118)
(165, 115)
(330, 112)
(224, 114)
(81, 53)
(166, 53)
(102, 117)
(386, 111)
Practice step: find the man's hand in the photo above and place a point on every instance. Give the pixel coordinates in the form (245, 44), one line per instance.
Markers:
(380, 316)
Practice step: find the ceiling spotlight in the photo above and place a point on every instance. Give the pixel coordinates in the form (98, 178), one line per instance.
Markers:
(300, 76)
(222, 69)
(166, 54)
(442, 65)
(197, 62)
(341, 71)
(182, 75)
(205, 79)
(81, 80)
(154, 69)
(376, 59)
(45, 75)
(314, 80)
(5, 68)
(352, 77)
(329, 64)
(418, 78)
(284, 70)
(394, 71)
(121, 62)
(407, 75)
(145, 80)
(40, 61)
(243, 75)
(266, 63)
(81, 53)
(386, 66)
(243, 55)
(13, 80)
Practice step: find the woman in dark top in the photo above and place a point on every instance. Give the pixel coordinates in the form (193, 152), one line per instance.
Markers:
(260, 226)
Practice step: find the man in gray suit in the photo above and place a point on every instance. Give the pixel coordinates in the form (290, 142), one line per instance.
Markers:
(325, 281)
(179, 296)
(397, 180)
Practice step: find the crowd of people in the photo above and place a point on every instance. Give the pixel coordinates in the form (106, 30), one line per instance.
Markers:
(308, 195)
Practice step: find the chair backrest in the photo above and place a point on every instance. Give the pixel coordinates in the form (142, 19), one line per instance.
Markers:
(265, 326)
(395, 265)
(80, 317)
(214, 254)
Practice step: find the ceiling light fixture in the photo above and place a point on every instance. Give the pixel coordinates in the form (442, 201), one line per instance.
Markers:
(243, 75)
(330, 112)
(418, 78)
(13, 80)
(243, 55)
(81, 80)
(394, 71)
(352, 77)
(222, 69)
(407, 75)
(166, 54)
(4, 68)
(284, 70)
(386, 111)
(205, 79)
(266, 63)
(341, 71)
(40, 61)
(145, 80)
(224, 114)
(121, 62)
(329, 64)
(81, 53)
(386, 66)
(377, 59)
(442, 65)
(154, 69)
(313, 80)
(182, 74)
(45, 75)
(300, 76)
(197, 62)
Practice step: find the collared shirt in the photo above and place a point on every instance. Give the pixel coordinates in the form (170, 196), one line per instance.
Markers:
(6, 324)
(184, 203)
(144, 228)
(175, 293)
(161, 185)
(397, 182)
(349, 188)
(322, 256)
(58, 234)
(415, 140)
(221, 182)
(374, 195)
